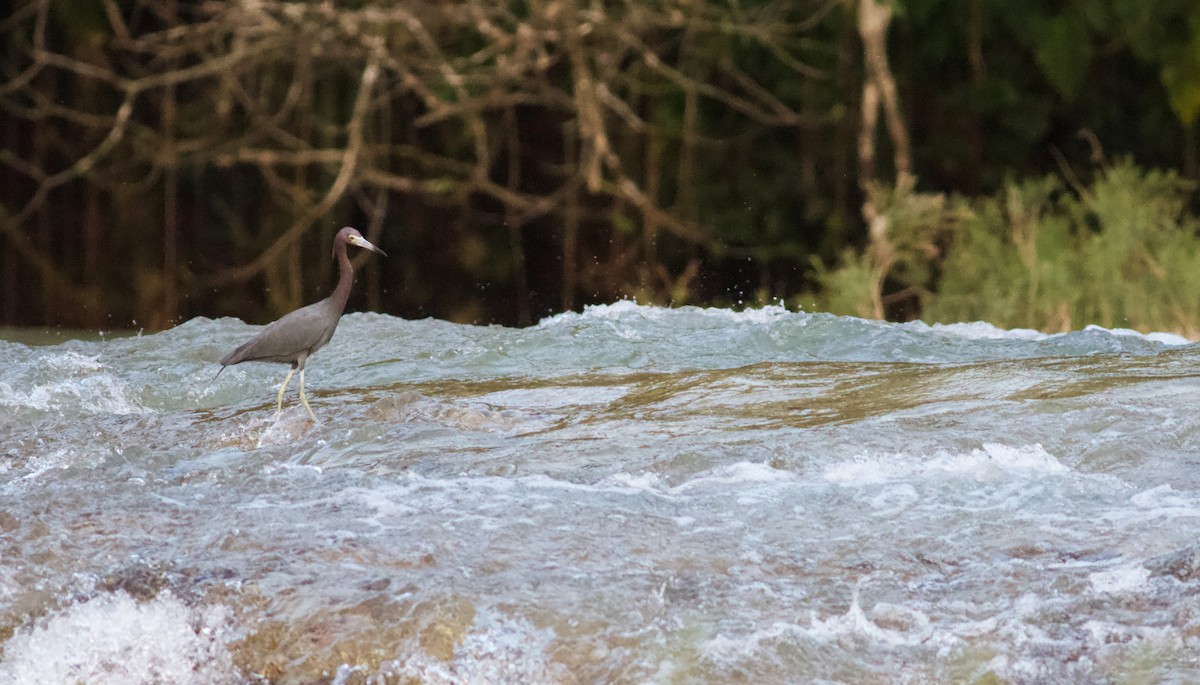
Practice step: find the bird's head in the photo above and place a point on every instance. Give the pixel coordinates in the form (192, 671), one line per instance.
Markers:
(351, 236)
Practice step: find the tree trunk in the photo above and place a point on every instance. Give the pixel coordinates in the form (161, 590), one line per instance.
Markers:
(879, 90)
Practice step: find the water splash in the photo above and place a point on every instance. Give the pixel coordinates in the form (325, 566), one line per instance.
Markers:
(626, 494)
(114, 640)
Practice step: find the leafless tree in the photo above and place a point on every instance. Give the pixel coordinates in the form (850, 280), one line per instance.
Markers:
(337, 104)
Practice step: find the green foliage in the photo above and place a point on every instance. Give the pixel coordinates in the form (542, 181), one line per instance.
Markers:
(902, 258)
(1122, 252)
(1181, 76)
(1064, 51)
(991, 86)
(994, 261)
(847, 290)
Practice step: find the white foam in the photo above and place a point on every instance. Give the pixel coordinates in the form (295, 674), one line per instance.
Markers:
(900, 627)
(981, 330)
(87, 385)
(1125, 579)
(114, 640)
(913, 626)
(10, 583)
(991, 462)
(73, 361)
(729, 651)
(893, 499)
(624, 309)
(498, 651)
(1164, 502)
(887, 625)
(102, 394)
(397, 499)
(1162, 496)
(1172, 339)
(641, 482)
(738, 473)
(58, 459)
(972, 330)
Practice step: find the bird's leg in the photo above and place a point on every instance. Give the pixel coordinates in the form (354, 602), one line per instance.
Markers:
(303, 399)
(279, 400)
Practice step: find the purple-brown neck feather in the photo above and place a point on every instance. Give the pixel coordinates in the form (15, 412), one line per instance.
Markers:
(345, 274)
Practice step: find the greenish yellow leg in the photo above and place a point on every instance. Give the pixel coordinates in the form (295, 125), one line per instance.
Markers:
(279, 400)
(305, 399)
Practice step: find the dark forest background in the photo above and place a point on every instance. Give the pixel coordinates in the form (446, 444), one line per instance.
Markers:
(1027, 162)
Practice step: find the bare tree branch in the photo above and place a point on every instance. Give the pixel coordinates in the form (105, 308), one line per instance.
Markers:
(315, 102)
(349, 162)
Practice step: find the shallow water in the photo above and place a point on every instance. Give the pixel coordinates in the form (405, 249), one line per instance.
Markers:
(627, 495)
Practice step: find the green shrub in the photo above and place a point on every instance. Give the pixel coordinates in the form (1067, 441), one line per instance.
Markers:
(1122, 252)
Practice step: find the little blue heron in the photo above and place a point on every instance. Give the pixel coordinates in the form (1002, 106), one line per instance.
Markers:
(291, 339)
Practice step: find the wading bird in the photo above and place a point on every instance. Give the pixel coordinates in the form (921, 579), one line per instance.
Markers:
(293, 338)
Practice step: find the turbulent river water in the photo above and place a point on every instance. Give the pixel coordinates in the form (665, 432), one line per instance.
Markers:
(626, 495)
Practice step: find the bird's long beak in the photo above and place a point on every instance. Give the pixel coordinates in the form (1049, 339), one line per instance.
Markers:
(366, 244)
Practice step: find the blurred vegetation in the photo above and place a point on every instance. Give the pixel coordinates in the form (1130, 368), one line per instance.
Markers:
(1120, 252)
(163, 159)
(1043, 254)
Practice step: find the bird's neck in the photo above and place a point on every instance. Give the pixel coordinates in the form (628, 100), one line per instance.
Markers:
(345, 279)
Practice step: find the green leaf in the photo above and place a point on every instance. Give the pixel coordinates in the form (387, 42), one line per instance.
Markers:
(1064, 51)
(1181, 78)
